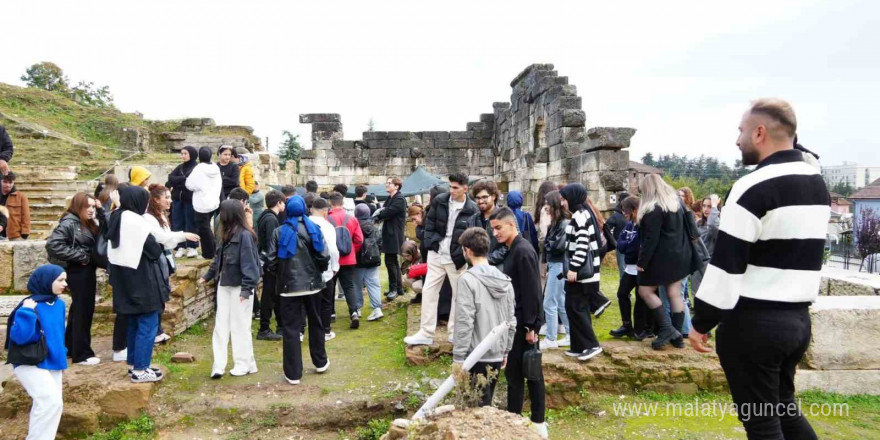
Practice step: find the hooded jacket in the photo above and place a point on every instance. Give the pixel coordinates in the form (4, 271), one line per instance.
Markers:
(524, 220)
(137, 175)
(484, 300)
(25, 325)
(246, 175)
(177, 179)
(206, 184)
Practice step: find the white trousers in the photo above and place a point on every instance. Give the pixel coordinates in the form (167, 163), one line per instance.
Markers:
(233, 318)
(437, 272)
(44, 386)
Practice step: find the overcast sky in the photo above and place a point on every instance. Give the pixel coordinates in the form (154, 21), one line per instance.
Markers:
(680, 72)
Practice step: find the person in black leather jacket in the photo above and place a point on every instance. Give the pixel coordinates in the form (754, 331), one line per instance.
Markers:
(298, 256)
(237, 265)
(72, 246)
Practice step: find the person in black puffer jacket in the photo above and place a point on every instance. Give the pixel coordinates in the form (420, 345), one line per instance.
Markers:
(183, 216)
(72, 245)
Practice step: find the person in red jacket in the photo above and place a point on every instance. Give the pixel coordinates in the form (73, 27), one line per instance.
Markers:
(346, 223)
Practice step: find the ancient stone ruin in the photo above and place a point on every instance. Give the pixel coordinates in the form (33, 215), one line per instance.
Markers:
(539, 135)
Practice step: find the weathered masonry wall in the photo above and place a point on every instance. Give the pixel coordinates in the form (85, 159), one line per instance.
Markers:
(539, 135)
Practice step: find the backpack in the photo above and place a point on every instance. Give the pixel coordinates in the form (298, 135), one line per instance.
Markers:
(369, 254)
(343, 236)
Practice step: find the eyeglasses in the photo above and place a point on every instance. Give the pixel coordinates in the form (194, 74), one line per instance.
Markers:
(484, 197)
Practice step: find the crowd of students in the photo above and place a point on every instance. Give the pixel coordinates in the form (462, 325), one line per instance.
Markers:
(496, 265)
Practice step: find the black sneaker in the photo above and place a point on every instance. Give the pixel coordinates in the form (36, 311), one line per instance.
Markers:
(590, 353)
(417, 299)
(148, 375)
(355, 321)
(156, 371)
(573, 354)
(391, 295)
(257, 315)
(333, 318)
(642, 335)
(623, 330)
(601, 309)
(268, 335)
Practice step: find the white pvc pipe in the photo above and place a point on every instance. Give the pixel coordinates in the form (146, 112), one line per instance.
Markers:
(472, 359)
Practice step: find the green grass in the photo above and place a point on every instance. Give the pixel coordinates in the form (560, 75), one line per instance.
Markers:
(141, 428)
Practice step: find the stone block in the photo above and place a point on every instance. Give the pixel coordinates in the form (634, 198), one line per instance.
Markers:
(402, 135)
(542, 155)
(842, 282)
(472, 126)
(312, 118)
(342, 145)
(573, 118)
(483, 134)
(613, 180)
(610, 137)
(458, 143)
(611, 159)
(7, 279)
(461, 135)
(569, 102)
(375, 135)
(839, 381)
(307, 154)
(326, 126)
(435, 135)
(183, 358)
(27, 255)
(845, 330)
(488, 118)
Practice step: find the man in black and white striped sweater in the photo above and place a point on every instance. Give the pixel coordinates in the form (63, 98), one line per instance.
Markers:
(764, 274)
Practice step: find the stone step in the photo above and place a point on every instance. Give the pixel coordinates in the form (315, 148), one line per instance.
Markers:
(47, 208)
(55, 199)
(35, 173)
(54, 185)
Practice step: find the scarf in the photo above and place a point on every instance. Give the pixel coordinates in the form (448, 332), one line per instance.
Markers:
(40, 287)
(575, 194)
(205, 154)
(127, 230)
(514, 202)
(189, 165)
(287, 242)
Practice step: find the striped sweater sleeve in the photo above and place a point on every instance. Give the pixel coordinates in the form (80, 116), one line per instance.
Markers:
(583, 242)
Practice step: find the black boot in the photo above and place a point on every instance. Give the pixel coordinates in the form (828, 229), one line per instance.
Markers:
(665, 332)
(417, 299)
(677, 323)
(624, 330)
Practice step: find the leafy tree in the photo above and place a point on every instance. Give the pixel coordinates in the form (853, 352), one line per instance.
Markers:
(86, 93)
(867, 233)
(371, 125)
(290, 149)
(843, 188)
(648, 159)
(46, 76)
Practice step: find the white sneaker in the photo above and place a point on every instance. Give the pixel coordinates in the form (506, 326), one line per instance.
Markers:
(561, 330)
(90, 361)
(547, 344)
(418, 339)
(564, 342)
(376, 314)
(162, 338)
(541, 429)
(329, 336)
(291, 381)
(451, 338)
(543, 331)
(324, 368)
(180, 253)
(148, 375)
(192, 253)
(302, 337)
(601, 309)
(239, 373)
(120, 356)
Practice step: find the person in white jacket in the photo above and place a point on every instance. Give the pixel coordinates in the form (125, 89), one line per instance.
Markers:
(206, 184)
(160, 227)
(319, 208)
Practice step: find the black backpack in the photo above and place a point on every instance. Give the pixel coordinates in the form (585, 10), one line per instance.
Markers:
(369, 254)
(343, 236)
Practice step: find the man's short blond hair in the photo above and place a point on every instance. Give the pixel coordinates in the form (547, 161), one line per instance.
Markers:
(780, 111)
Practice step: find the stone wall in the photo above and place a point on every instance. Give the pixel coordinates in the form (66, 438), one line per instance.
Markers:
(267, 171)
(539, 135)
(203, 132)
(18, 259)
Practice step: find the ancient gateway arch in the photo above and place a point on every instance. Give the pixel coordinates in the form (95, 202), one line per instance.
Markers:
(539, 135)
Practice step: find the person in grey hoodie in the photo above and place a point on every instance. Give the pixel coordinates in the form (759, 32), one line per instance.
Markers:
(485, 300)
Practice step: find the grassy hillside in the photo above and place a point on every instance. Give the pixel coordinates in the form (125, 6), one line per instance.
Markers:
(50, 129)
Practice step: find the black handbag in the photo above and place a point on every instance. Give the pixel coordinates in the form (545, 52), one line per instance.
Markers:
(28, 354)
(532, 365)
(699, 252)
(100, 254)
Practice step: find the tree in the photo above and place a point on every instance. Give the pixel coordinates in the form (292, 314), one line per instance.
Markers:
(843, 188)
(867, 233)
(86, 93)
(648, 159)
(290, 149)
(46, 76)
(371, 125)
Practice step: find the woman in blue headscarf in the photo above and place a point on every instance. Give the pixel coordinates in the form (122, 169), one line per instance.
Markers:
(41, 315)
(524, 220)
(298, 256)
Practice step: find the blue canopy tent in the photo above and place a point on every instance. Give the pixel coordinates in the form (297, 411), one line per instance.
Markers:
(419, 182)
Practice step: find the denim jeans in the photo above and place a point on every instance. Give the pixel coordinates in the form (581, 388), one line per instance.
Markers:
(370, 277)
(554, 300)
(686, 326)
(141, 338)
(621, 263)
(183, 218)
